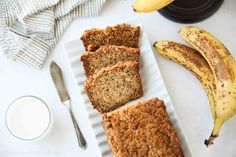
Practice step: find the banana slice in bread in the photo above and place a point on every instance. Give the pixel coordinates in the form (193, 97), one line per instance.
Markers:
(114, 86)
(106, 56)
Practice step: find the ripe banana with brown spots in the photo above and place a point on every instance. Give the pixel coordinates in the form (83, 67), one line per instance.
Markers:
(194, 62)
(223, 67)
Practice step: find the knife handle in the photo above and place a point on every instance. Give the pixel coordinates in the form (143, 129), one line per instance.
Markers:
(80, 137)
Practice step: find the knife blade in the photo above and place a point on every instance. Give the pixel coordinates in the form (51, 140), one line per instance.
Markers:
(58, 80)
(57, 77)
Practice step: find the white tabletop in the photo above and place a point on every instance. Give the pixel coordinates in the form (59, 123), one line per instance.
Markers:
(187, 94)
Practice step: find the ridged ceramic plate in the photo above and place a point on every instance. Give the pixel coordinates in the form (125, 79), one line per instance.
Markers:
(153, 86)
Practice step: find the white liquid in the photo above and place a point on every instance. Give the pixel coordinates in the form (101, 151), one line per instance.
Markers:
(27, 118)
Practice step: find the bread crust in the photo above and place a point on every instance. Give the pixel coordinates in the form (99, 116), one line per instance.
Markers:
(142, 130)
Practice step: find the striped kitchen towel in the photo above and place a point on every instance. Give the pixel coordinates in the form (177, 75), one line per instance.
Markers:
(29, 29)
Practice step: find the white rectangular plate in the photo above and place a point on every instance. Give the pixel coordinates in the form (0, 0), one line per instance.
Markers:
(153, 86)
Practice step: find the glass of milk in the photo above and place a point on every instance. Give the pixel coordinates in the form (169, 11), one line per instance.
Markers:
(28, 118)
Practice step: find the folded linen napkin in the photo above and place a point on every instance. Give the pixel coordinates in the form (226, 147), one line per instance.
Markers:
(29, 29)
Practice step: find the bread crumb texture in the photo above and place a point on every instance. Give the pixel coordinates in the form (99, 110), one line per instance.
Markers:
(121, 34)
(106, 56)
(114, 86)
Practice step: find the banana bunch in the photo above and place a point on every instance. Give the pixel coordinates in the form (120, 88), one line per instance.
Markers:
(213, 65)
(150, 5)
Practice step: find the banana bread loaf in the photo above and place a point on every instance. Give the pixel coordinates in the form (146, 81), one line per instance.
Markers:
(106, 56)
(142, 130)
(114, 86)
(121, 34)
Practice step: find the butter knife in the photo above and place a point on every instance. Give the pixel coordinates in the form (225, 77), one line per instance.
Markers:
(57, 78)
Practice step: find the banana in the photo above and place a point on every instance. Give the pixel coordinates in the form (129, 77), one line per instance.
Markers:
(194, 62)
(223, 67)
(150, 5)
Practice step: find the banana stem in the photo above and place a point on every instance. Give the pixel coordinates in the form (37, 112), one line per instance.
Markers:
(215, 133)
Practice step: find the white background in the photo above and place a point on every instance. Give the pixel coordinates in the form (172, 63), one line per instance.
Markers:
(187, 94)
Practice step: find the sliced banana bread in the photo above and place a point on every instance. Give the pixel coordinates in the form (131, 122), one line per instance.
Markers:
(108, 55)
(142, 130)
(114, 86)
(121, 34)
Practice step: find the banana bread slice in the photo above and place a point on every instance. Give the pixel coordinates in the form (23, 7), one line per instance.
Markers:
(108, 55)
(114, 86)
(121, 34)
(142, 130)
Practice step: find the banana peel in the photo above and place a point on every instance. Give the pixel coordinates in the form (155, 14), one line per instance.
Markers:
(223, 67)
(150, 5)
(194, 62)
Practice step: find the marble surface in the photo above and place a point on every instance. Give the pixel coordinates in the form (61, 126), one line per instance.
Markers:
(186, 93)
